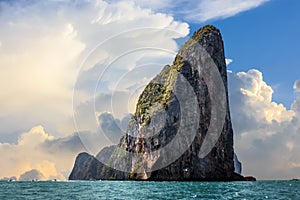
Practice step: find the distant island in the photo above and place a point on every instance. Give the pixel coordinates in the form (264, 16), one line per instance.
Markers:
(181, 129)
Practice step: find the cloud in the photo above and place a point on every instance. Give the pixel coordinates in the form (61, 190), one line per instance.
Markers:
(113, 128)
(38, 62)
(266, 133)
(32, 175)
(38, 150)
(118, 103)
(38, 155)
(69, 144)
(251, 91)
(104, 126)
(203, 10)
(220, 9)
(297, 86)
(44, 43)
(228, 61)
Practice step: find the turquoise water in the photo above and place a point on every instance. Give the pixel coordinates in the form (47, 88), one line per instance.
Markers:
(150, 190)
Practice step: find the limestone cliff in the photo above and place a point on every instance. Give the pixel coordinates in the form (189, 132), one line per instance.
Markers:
(88, 167)
(181, 129)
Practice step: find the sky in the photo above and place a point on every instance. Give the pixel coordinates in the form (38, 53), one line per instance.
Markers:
(71, 72)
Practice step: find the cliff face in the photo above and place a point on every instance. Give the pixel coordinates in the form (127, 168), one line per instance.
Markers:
(181, 129)
(88, 167)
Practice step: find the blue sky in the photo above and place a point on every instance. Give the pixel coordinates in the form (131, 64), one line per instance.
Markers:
(58, 85)
(265, 38)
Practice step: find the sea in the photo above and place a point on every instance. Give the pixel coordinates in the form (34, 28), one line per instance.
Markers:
(149, 190)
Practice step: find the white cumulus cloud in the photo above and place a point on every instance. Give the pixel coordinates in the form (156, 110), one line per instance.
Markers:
(37, 150)
(45, 43)
(266, 133)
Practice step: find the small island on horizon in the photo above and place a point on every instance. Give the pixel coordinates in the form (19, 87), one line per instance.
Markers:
(191, 95)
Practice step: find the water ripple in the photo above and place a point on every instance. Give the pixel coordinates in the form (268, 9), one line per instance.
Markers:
(150, 190)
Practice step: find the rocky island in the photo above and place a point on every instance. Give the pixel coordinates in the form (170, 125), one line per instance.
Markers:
(181, 129)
